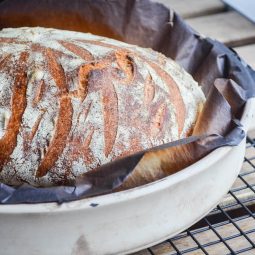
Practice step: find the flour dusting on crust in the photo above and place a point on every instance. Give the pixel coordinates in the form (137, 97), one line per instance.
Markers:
(85, 100)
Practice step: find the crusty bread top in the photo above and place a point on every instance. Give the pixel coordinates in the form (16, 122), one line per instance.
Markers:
(70, 102)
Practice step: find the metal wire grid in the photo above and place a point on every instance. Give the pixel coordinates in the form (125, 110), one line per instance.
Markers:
(229, 228)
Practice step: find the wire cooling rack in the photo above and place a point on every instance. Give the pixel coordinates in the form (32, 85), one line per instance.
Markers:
(229, 228)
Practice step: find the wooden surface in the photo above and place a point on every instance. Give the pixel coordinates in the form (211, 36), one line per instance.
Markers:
(213, 19)
(194, 8)
(209, 236)
(228, 27)
(247, 52)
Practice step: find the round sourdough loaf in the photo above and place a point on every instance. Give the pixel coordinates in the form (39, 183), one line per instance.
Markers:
(70, 102)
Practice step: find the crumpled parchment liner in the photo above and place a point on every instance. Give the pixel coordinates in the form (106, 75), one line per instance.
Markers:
(226, 81)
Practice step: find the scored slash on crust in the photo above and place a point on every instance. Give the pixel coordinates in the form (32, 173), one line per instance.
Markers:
(101, 75)
(77, 50)
(64, 121)
(149, 90)
(174, 91)
(109, 102)
(18, 105)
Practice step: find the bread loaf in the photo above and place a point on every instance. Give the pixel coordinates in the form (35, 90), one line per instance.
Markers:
(70, 102)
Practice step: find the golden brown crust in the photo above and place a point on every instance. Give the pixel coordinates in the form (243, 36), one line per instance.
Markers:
(79, 51)
(56, 71)
(59, 140)
(39, 93)
(4, 60)
(64, 121)
(149, 90)
(175, 94)
(156, 165)
(110, 113)
(73, 109)
(9, 140)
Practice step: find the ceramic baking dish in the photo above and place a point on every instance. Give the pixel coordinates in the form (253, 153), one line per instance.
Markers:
(126, 221)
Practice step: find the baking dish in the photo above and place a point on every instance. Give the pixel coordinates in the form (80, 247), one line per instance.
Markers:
(127, 221)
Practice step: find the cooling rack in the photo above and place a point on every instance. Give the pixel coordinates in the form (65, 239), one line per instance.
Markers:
(227, 229)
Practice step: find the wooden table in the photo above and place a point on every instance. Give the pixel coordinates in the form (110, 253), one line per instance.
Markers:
(211, 18)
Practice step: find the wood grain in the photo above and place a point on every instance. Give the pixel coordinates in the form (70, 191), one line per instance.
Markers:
(194, 8)
(208, 236)
(230, 28)
(247, 52)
